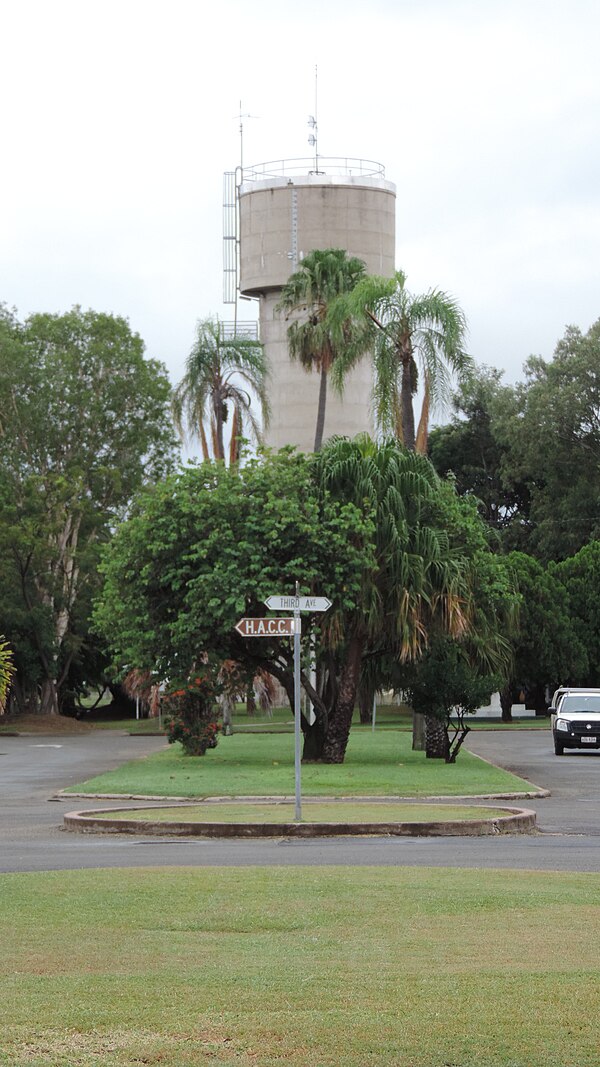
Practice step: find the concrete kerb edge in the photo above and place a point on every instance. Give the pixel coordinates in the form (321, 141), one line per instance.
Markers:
(516, 820)
(534, 794)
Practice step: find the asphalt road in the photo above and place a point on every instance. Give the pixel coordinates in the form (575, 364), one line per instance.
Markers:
(33, 769)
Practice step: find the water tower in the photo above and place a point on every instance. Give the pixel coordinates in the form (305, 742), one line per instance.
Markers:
(276, 213)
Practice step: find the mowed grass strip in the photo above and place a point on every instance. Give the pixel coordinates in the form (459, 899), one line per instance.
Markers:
(376, 764)
(317, 967)
(340, 812)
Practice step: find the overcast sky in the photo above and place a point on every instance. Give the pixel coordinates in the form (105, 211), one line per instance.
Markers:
(119, 119)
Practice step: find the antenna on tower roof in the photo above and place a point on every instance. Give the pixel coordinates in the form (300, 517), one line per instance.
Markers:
(241, 116)
(313, 137)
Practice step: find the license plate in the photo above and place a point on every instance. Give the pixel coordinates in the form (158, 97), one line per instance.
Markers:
(589, 740)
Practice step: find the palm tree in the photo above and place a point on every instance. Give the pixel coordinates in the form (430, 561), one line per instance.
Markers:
(6, 671)
(318, 340)
(212, 389)
(417, 340)
(417, 581)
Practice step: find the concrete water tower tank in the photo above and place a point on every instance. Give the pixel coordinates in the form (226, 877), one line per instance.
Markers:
(286, 210)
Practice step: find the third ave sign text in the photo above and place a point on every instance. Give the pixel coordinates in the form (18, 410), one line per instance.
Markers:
(267, 627)
(298, 603)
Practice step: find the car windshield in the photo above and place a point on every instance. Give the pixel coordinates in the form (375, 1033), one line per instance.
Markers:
(581, 702)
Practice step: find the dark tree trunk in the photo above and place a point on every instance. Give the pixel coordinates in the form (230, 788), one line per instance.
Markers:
(121, 701)
(340, 720)
(314, 740)
(321, 410)
(437, 744)
(218, 415)
(250, 699)
(48, 698)
(406, 403)
(366, 696)
(506, 703)
(418, 737)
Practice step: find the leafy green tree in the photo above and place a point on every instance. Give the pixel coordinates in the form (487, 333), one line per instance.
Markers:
(206, 548)
(551, 434)
(417, 339)
(445, 686)
(317, 339)
(547, 645)
(223, 376)
(471, 450)
(84, 422)
(577, 579)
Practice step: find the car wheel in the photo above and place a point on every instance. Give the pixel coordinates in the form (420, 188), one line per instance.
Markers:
(559, 748)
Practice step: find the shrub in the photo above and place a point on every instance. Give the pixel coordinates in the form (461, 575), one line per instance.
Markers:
(191, 717)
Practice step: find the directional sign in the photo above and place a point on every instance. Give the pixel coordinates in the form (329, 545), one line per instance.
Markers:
(298, 603)
(267, 627)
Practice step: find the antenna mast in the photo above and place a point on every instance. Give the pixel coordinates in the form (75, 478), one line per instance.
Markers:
(313, 137)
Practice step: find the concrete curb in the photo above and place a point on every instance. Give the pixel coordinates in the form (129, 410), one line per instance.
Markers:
(516, 821)
(533, 794)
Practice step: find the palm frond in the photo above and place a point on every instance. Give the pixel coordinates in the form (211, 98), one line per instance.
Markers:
(210, 386)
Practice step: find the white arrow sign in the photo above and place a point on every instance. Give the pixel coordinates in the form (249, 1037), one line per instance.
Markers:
(298, 603)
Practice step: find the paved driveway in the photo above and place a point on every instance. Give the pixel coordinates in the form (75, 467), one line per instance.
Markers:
(573, 779)
(32, 769)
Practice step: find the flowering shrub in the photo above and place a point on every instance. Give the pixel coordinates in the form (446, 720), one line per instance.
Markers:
(191, 717)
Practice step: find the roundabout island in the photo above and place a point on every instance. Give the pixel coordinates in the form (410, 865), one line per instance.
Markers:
(254, 817)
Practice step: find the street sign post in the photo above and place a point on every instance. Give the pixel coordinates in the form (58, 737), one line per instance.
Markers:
(297, 712)
(287, 627)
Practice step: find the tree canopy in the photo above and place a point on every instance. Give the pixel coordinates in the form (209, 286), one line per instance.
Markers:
(531, 452)
(553, 440)
(473, 451)
(416, 339)
(207, 546)
(84, 422)
(371, 527)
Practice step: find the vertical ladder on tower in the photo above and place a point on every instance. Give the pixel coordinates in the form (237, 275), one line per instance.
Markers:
(230, 238)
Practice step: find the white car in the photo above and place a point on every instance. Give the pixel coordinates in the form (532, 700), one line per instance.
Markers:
(575, 719)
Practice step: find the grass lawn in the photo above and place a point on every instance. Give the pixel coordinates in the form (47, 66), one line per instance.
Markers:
(376, 764)
(320, 812)
(311, 967)
(389, 716)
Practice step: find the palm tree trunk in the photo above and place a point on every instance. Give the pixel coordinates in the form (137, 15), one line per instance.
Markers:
(204, 443)
(423, 429)
(340, 720)
(437, 745)
(218, 427)
(234, 444)
(321, 409)
(408, 416)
